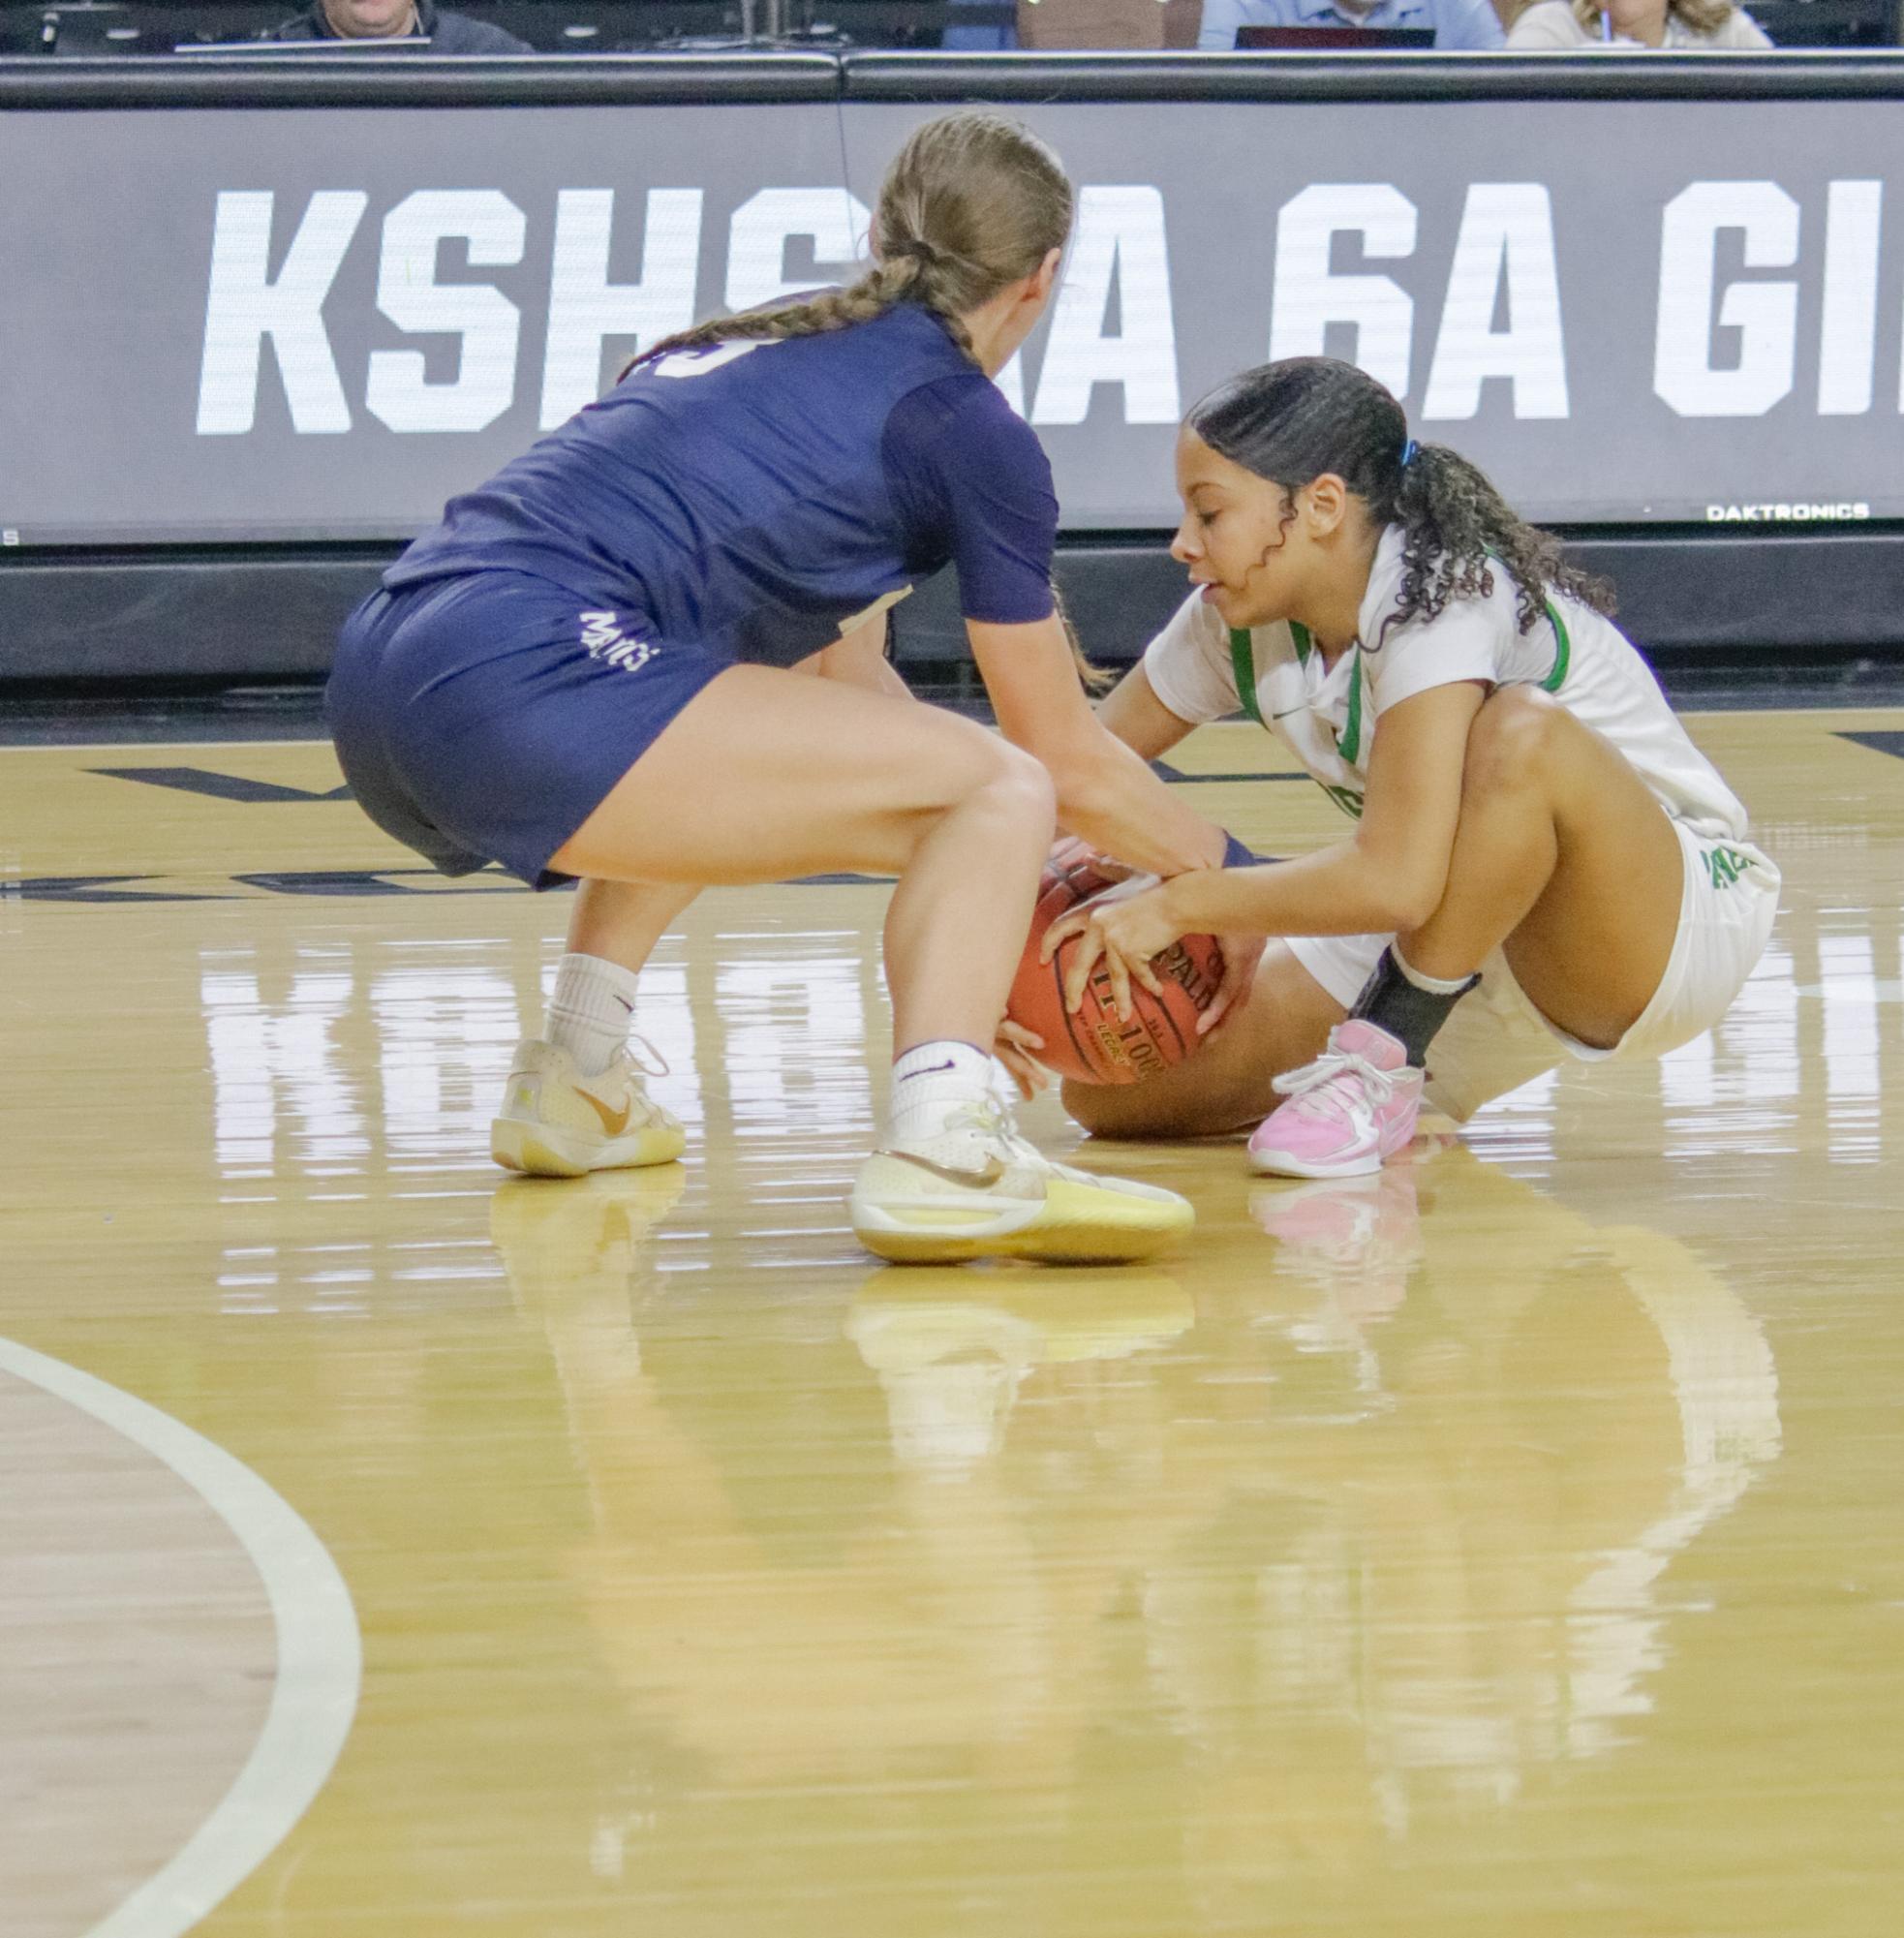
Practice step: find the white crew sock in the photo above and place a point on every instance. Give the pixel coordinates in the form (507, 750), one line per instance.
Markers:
(588, 1010)
(1434, 985)
(930, 1083)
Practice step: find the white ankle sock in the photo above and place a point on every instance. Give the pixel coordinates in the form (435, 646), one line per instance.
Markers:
(588, 1010)
(1434, 985)
(930, 1082)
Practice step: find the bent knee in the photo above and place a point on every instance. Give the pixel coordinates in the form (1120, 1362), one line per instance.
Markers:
(1011, 790)
(985, 779)
(977, 760)
(1024, 779)
(1511, 743)
(963, 762)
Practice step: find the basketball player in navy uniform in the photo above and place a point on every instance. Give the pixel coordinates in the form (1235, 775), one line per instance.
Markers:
(601, 666)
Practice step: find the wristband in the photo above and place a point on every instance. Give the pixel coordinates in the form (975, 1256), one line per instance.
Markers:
(1236, 855)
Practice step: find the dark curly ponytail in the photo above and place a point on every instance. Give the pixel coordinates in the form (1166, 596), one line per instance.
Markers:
(1291, 420)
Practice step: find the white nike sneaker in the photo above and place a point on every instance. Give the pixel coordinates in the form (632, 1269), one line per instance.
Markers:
(556, 1123)
(981, 1191)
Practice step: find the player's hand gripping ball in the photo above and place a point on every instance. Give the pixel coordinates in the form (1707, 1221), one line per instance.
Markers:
(1096, 1046)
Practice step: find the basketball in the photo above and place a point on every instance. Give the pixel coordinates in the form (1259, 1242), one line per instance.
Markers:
(1095, 1046)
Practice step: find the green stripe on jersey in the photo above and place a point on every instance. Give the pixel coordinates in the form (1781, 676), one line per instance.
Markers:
(1242, 657)
(1349, 745)
(1563, 649)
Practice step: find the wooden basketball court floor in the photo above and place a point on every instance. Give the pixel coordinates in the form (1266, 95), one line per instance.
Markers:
(1506, 1545)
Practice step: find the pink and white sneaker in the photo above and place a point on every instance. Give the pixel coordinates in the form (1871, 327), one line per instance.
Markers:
(1348, 1113)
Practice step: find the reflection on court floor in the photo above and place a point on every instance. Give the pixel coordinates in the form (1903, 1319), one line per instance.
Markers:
(1502, 1544)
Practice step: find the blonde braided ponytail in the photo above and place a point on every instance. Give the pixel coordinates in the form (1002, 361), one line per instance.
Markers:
(973, 203)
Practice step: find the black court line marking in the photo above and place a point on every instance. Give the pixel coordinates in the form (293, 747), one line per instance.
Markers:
(95, 888)
(374, 882)
(1889, 741)
(1164, 771)
(237, 788)
(220, 786)
(358, 882)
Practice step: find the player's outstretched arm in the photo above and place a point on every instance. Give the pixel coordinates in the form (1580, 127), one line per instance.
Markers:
(1387, 877)
(1133, 713)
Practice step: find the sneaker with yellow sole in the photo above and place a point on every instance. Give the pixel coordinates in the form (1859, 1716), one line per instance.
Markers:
(981, 1191)
(558, 1124)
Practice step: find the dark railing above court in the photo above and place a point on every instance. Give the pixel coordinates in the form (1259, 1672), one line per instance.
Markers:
(268, 75)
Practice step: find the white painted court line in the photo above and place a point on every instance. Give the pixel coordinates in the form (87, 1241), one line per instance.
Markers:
(319, 1656)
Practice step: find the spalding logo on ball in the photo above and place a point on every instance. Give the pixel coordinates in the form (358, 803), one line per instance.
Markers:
(1096, 1046)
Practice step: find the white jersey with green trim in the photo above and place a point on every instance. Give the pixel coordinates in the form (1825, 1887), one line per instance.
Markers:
(1328, 716)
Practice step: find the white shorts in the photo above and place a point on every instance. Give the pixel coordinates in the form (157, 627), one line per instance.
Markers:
(1496, 1040)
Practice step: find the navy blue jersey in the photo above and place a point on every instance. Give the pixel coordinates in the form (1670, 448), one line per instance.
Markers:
(753, 496)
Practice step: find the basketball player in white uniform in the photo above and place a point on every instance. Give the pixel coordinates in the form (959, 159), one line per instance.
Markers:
(1539, 865)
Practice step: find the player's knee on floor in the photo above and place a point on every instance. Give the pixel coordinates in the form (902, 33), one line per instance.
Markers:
(1146, 1110)
(1229, 1084)
(1104, 1111)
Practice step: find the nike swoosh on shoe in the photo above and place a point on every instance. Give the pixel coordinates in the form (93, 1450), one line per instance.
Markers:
(612, 1122)
(977, 1181)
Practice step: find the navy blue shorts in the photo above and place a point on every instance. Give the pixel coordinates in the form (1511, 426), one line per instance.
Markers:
(486, 717)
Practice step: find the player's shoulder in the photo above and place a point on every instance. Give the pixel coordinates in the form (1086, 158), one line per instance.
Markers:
(1580, 630)
(1196, 625)
(1197, 628)
(914, 345)
(940, 398)
(1492, 610)
(959, 422)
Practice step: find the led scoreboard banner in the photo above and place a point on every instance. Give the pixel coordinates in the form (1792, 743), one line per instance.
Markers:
(276, 321)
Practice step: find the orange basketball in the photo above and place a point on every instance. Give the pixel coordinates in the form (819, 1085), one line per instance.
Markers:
(1095, 1046)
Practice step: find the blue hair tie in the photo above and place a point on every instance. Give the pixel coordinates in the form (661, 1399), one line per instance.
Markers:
(1408, 451)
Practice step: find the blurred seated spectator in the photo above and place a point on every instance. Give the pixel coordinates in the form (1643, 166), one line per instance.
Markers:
(391, 20)
(1713, 25)
(990, 39)
(1457, 24)
(1055, 26)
